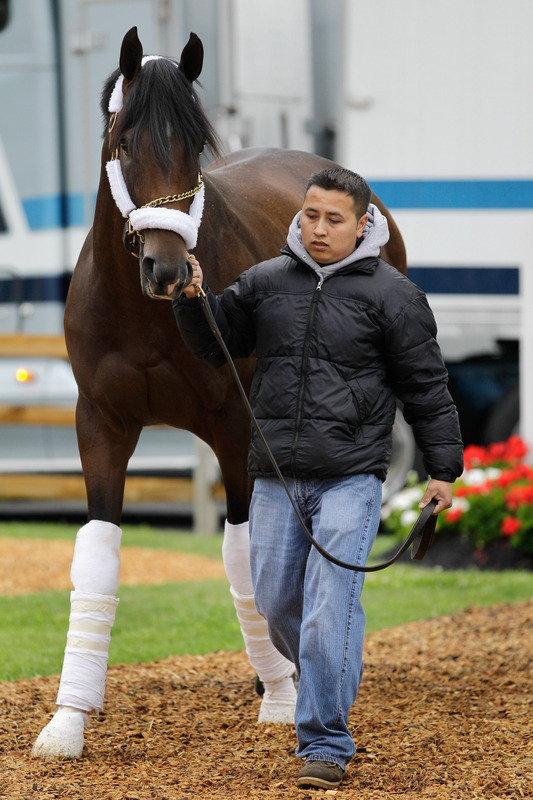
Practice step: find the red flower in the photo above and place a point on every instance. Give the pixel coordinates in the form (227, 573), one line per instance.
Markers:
(510, 526)
(510, 452)
(517, 447)
(498, 451)
(518, 473)
(505, 479)
(465, 491)
(453, 515)
(474, 456)
(519, 496)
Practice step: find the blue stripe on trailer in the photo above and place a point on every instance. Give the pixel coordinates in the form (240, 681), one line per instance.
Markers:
(433, 280)
(502, 194)
(52, 288)
(466, 280)
(50, 212)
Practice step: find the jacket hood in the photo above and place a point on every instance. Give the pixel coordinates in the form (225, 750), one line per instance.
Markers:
(375, 235)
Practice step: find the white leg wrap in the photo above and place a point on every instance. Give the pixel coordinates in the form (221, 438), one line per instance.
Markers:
(95, 575)
(236, 556)
(96, 562)
(85, 665)
(274, 670)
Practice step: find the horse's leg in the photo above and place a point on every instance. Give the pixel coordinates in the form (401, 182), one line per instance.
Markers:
(95, 576)
(274, 671)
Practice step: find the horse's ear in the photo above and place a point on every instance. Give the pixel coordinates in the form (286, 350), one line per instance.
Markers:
(131, 54)
(192, 58)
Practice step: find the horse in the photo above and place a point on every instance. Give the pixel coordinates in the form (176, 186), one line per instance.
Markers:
(130, 365)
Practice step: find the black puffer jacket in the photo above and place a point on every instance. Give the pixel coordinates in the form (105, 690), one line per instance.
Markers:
(332, 358)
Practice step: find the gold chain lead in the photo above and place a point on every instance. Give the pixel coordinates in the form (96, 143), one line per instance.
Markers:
(174, 198)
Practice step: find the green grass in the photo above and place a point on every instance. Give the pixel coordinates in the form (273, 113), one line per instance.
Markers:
(154, 622)
(151, 623)
(403, 594)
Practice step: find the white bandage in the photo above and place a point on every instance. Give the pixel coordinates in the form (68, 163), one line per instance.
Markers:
(84, 673)
(236, 557)
(268, 662)
(91, 619)
(95, 575)
(96, 562)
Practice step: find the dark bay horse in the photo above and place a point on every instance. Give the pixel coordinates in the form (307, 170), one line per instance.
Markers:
(130, 365)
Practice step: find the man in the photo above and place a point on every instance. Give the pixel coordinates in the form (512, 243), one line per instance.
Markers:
(340, 336)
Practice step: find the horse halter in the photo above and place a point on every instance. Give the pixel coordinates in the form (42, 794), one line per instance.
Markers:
(152, 214)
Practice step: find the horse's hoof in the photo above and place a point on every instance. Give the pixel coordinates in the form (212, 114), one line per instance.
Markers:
(63, 736)
(278, 703)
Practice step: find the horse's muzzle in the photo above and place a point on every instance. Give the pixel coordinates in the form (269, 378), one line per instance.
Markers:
(164, 279)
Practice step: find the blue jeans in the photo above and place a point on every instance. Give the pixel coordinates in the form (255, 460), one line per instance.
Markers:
(313, 607)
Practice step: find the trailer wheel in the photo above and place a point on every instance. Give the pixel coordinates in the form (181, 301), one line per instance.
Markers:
(504, 418)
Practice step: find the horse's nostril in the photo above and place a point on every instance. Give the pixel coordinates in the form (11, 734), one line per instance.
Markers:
(164, 271)
(189, 274)
(148, 265)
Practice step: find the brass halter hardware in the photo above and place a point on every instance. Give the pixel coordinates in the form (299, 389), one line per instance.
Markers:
(112, 122)
(132, 239)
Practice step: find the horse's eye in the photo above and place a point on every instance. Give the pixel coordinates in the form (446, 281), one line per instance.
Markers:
(124, 146)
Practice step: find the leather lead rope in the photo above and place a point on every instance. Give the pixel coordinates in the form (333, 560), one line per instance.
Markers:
(421, 535)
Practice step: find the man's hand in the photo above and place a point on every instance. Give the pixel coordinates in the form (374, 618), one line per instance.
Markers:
(197, 278)
(441, 491)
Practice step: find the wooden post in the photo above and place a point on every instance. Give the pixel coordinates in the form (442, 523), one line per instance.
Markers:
(27, 344)
(205, 515)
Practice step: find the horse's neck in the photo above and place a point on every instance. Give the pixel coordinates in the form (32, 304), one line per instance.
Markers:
(235, 234)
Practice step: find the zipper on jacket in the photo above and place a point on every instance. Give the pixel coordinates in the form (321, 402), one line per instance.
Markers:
(299, 407)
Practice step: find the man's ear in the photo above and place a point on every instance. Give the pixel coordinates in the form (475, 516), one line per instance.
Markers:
(361, 225)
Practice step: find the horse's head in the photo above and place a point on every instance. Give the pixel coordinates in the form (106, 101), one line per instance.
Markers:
(157, 130)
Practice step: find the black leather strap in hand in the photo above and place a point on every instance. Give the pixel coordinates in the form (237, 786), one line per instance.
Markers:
(421, 535)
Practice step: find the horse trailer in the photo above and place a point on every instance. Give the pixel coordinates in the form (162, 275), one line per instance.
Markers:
(433, 112)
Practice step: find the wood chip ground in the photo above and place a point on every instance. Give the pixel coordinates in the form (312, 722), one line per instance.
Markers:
(47, 566)
(445, 711)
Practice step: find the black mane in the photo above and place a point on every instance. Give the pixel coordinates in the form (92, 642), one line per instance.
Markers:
(162, 101)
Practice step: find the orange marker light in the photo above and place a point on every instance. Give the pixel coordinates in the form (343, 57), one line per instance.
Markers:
(23, 375)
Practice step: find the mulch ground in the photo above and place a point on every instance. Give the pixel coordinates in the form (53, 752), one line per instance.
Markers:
(444, 711)
(47, 566)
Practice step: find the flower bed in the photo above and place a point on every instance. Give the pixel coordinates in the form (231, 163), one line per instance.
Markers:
(492, 509)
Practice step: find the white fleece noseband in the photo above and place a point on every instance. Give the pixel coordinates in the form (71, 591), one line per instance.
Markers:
(170, 219)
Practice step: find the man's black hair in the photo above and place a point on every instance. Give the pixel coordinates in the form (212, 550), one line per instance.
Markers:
(344, 180)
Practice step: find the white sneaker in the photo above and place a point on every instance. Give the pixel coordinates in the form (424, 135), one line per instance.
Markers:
(63, 736)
